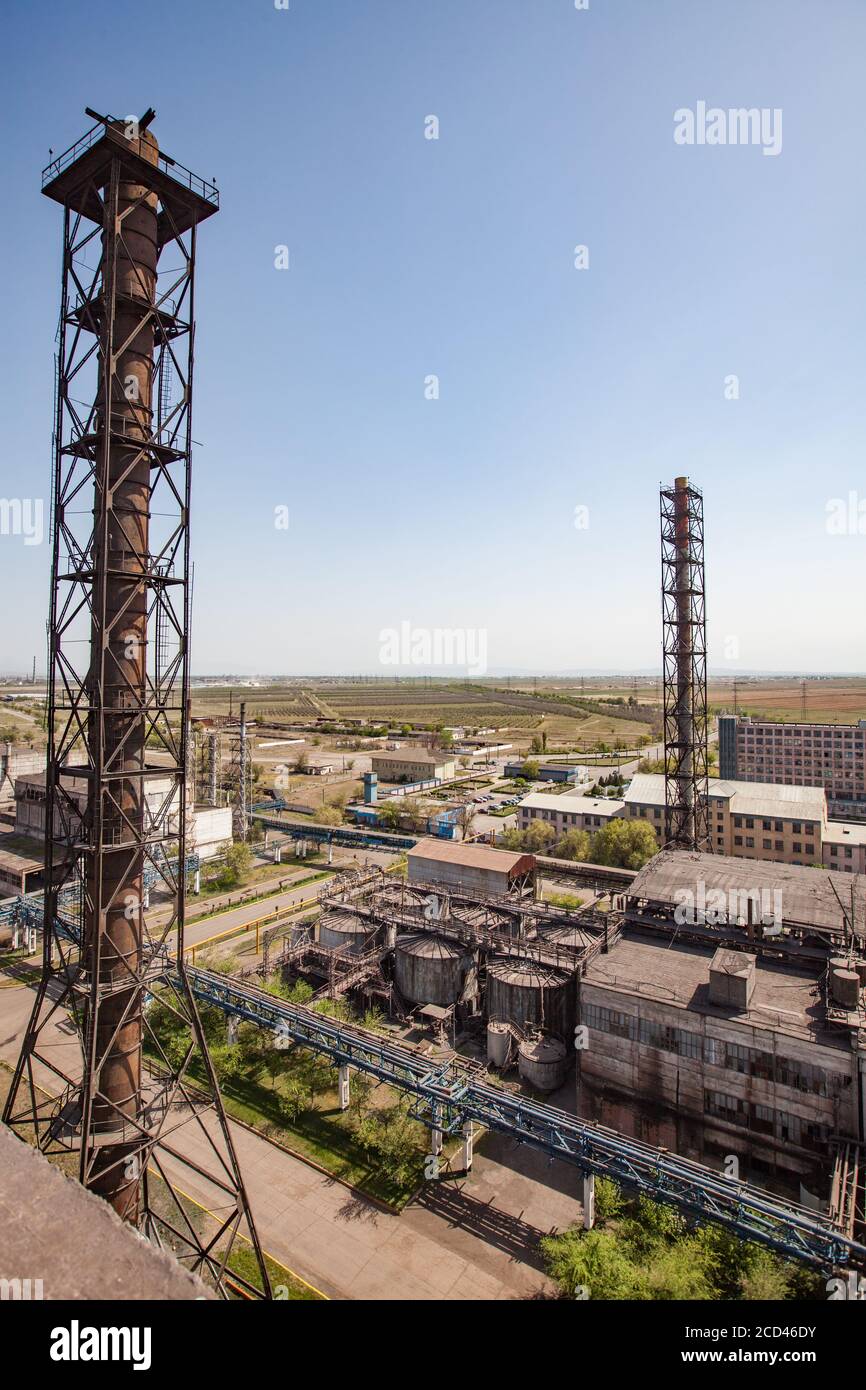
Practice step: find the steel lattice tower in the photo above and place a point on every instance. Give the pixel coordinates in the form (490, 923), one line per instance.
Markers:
(116, 780)
(241, 777)
(684, 666)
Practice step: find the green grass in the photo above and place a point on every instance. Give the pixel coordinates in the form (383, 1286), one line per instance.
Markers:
(285, 1286)
(321, 1134)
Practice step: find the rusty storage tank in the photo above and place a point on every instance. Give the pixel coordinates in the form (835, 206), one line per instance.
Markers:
(572, 938)
(844, 982)
(542, 1062)
(531, 996)
(339, 930)
(429, 969)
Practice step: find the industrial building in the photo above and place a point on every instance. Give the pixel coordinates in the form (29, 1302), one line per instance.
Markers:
(479, 868)
(832, 756)
(15, 763)
(208, 828)
(547, 772)
(22, 861)
(719, 1004)
(712, 1033)
(413, 764)
(787, 824)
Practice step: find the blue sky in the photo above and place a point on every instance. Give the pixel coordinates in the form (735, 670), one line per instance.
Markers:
(559, 388)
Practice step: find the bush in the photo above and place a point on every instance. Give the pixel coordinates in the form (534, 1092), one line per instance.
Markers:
(641, 1249)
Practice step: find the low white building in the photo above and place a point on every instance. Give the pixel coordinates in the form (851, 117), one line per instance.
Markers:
(209, 829)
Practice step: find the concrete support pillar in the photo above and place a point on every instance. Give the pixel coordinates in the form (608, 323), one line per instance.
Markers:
(196, 883)
(31, 941)
(234, 1022)
(468, 1138)
(436, 1133)
(145, 902)
(390, 936)
(343, 1086)
(330, 852)
(16, 937)
(588, 1201)
(278, 854)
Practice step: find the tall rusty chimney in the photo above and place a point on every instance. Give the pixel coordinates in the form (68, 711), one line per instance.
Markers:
(119, 656)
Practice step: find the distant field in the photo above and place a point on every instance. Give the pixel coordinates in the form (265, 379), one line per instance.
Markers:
(839, 701)
(516, 713)
(828, 700)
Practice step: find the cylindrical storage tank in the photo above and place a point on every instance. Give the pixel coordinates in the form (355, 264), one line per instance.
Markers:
(429, 969)
(542, 1063)
(498, 1043)
(844, 986)
(531, 995)
(860, 967)
(339, 930)
(571, 938)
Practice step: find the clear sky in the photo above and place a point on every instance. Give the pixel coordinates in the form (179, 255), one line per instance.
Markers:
(559, 388)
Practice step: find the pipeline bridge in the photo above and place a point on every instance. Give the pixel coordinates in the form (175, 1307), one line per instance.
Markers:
(450, 1097)
(328, 835)
(26, 909)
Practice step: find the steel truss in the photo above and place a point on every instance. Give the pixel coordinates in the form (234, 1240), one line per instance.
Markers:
(241, 777)
(684, 660)
(449, 1096)
(118, 694)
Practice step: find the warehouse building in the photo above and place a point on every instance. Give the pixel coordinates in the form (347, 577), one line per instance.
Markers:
(547, 772)
(832, 756)
(478, 868)
(413, 764)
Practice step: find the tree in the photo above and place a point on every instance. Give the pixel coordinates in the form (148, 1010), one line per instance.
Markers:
(465, 819)
(238, 857)
(413, 814)
(574, 844)
(538, 837)
(512, 839)
(591, 1260)
(530, 770)
(623, 844)
(389, 816)
(329, 815)
(302, 761)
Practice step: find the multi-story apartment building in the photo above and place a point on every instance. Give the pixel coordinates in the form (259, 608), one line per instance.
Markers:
(832, 756)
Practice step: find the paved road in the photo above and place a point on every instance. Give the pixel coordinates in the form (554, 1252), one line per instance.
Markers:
(474, 1239)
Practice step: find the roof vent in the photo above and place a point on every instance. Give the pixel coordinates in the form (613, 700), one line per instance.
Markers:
(732, 979)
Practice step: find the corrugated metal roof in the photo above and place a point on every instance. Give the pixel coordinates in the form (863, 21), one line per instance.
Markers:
(745, 798)
(411, 755)
(472, 856)
(808, 896)
(582, 805)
